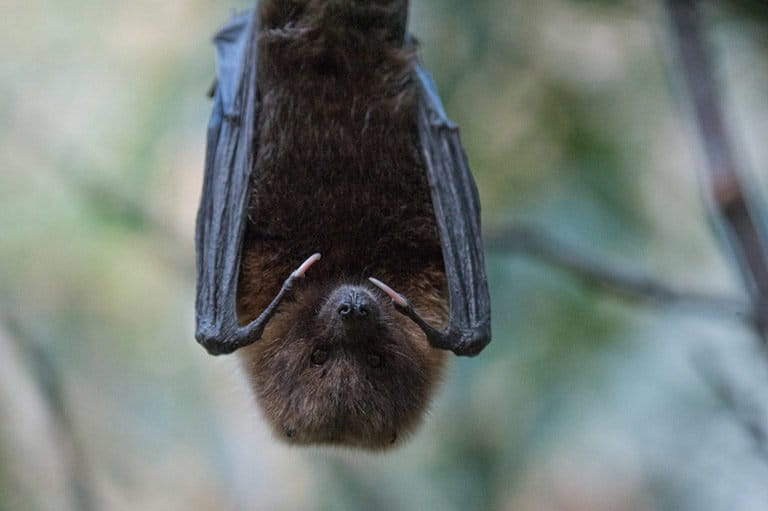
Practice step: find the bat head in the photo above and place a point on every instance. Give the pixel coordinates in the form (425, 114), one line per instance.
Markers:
(339, 366)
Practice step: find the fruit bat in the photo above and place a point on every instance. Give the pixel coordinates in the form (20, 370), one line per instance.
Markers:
(328, 139)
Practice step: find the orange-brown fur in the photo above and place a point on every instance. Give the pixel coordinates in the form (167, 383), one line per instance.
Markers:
(339, 172)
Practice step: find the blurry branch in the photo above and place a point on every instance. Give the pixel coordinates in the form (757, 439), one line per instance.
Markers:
(730, 206)
(622, 282)
(49, 384)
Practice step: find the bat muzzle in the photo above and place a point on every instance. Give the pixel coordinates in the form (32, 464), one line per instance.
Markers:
(353, 310)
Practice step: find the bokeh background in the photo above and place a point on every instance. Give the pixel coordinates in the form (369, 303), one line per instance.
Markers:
(574, 121)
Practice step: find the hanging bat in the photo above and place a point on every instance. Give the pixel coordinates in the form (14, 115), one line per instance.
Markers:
(328, 137)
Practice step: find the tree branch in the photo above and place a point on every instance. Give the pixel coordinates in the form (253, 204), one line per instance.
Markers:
(620, 281)
(730, 206)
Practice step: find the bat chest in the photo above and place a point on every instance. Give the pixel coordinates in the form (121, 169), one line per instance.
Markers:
(340, 172)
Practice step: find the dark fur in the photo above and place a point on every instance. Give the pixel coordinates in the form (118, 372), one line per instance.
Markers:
(339, 172)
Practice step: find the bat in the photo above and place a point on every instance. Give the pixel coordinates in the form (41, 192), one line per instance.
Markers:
(338, 242)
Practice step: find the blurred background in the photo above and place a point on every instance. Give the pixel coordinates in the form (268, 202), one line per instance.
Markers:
(575, 122)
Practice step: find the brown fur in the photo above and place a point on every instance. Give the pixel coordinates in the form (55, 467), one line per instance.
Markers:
(340, 173)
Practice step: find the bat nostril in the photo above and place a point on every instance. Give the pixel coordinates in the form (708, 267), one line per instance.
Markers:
(356, 308)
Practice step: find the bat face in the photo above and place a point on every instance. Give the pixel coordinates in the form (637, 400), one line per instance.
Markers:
(339, 366)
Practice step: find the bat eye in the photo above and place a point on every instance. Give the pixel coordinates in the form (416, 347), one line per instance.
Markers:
(319, 356)
(374, 360)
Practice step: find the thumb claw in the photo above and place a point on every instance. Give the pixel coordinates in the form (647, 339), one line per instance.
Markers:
(301, 270)
(396, 297)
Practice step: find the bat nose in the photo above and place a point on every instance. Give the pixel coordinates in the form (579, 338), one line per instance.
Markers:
(355, 308)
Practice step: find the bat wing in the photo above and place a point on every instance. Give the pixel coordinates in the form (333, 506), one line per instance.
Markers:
(231, 151)
(229, 160)
(457, 211)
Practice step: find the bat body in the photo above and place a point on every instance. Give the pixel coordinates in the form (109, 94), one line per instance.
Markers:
(328, 138)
